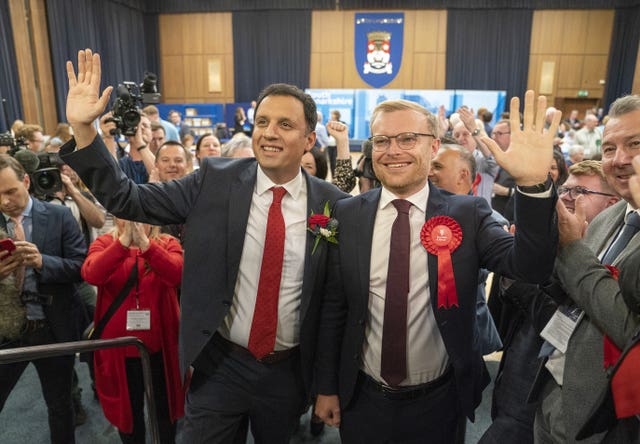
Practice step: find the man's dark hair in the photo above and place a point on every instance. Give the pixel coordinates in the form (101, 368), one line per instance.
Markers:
(187, 154)
(10, 162)
(284, 89)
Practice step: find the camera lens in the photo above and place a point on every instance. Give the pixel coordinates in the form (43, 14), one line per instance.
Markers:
(46, 180)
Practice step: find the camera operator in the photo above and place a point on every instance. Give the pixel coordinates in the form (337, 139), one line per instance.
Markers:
(34, 139)
(137, 163)
(109, 132)
(364, 169)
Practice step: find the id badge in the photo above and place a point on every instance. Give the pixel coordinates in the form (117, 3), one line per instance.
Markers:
(138, 320)
(561, 326)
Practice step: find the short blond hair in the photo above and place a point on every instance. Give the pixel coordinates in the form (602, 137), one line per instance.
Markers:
(591, 168)
(389, 106)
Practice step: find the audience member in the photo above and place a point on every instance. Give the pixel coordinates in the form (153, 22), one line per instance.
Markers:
(576, 155)
(239, 120)
(63, 132)
(528, 309)
(238, 147)
(33, 137)
(322, 137)
(503, 186)
(134, 163)
(332, 150)
(183, 128)
(468, 134)
(157, 137)
(208, 146)
(53, 145)
(150, 312)
(571, 381)
(170, 130)
(108, 132)
(589, 137)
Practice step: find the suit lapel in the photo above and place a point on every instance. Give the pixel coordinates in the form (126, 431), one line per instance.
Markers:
(315, 204)
(366, 217)
(239, 204)
(597, 238)
(39, 225)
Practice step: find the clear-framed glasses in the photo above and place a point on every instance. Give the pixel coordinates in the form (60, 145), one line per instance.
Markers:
(574, 192)
(405, 141)
(499, 133)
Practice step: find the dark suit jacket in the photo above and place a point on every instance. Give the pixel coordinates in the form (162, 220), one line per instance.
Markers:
(214, 204)
(485, 244)
(61, 244)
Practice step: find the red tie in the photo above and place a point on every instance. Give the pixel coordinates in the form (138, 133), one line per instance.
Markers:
(394, 326)
(18, 234)
(262, 338)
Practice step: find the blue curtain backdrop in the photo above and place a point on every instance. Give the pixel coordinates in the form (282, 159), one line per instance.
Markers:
(125, 37)
(488, 49)
(10, 100)
(270, 47)
(622, 54)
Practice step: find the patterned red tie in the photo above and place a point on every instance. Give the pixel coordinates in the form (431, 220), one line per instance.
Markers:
(18, 234)
(262, 338)
(394, 327)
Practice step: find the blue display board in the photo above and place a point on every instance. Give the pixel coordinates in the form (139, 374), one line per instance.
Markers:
(494, 101)
(328, 100)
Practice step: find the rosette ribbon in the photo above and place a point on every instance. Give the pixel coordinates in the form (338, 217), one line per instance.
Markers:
(441, 235)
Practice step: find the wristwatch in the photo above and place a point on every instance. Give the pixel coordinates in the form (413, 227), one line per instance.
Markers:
(475, 132)
(537, 188)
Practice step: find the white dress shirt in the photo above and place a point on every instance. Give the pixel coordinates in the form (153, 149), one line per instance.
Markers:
(237, 324)
(427, 358)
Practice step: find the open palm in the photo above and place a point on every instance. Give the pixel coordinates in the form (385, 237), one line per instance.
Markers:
(84, 102)
(531, 150)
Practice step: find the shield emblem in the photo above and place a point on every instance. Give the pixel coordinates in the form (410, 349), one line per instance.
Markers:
(378, 47)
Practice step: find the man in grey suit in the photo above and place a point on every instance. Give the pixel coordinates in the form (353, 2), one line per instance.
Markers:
(579, 374)
(227, 208)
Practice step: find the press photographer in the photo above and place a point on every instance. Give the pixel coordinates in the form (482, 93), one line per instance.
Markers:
(42, 168)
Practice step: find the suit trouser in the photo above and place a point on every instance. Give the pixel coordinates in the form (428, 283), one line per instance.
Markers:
(228, 386)
(55, 376)
(373, 418)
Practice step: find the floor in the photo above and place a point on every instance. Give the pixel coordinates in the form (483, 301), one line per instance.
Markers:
(23, 419)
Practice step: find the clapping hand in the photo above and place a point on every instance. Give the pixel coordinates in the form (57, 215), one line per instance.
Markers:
(531, 151)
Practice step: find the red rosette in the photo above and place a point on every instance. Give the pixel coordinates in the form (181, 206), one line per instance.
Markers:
(441, 235)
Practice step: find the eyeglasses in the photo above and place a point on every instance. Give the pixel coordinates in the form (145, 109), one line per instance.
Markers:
(405, 141)
(499, 133)
(574, 192)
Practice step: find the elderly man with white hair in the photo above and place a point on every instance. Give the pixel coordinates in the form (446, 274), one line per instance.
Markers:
(590, 137)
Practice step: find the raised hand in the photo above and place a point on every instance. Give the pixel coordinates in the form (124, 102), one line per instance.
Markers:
(531, 150)
(571, 226)
(338, 131)
(84, 101)
(468, 119)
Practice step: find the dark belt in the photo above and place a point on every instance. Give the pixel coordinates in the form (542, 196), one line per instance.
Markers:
(272, 358)
(409, 391)
(32, 325)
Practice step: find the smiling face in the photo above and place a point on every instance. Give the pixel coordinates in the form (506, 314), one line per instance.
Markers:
(280, 137)
(171, 163)
(208, 147)
(593, 203)
(403, 172)
(620, 144)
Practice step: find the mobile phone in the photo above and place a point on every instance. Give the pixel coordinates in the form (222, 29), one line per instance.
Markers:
(8, 245)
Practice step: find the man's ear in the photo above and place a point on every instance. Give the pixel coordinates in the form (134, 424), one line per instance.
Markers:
(612, 201)
(311, 141)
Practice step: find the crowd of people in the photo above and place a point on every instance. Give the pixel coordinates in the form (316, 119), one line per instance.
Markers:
(261, 289)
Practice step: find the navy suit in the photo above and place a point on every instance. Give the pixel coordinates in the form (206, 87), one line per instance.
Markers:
(485, 244)
(214, 204)
(61, 244)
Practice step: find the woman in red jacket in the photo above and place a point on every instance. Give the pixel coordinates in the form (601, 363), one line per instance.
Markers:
(150, 312)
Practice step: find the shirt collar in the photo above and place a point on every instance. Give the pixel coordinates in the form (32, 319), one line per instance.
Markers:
(26, 212)
(293, 187)
(418, 200)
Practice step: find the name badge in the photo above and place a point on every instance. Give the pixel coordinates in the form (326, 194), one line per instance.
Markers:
(138, 320)
(561, 326)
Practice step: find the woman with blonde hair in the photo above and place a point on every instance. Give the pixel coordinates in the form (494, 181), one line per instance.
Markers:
(152, 263)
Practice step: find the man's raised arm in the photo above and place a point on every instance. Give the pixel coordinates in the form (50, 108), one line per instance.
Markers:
(84, 102)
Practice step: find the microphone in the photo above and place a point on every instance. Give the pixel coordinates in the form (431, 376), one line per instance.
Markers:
(28, 159)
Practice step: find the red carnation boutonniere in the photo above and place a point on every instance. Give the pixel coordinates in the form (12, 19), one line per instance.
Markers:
(324, 227)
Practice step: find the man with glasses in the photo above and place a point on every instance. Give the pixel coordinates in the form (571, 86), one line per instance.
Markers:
(528, 309)
(33, 137)
(397, 360)
(571, 382)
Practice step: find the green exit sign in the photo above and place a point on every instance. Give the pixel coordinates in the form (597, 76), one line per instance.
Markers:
(583, 93)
